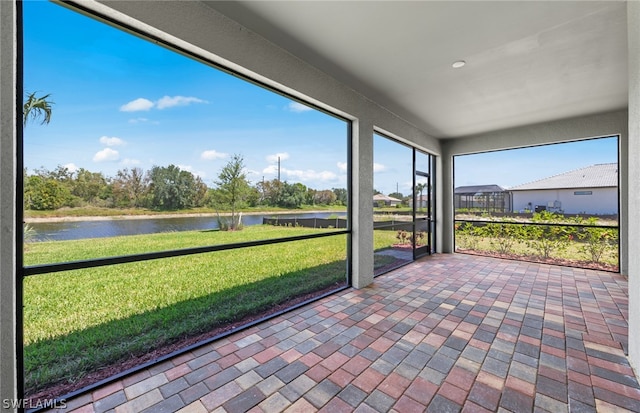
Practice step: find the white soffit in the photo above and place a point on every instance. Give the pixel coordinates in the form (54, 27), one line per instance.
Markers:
(526, 62)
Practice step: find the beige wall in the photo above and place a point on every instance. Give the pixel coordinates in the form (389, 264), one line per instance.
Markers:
(8, 384)
(632, 188)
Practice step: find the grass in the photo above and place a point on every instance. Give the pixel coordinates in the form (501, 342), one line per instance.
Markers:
(79, 321)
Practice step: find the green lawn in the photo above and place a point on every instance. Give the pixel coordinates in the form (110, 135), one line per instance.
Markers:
(78, 321)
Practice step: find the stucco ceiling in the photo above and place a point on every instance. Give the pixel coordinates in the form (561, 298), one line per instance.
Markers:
(526, 62)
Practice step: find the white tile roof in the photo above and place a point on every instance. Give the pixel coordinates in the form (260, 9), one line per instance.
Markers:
(594, 176)
(382, 197)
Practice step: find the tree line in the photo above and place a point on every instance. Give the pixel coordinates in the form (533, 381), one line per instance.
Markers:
(167, 188)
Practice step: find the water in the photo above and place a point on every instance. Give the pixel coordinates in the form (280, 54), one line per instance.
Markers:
(62, 231)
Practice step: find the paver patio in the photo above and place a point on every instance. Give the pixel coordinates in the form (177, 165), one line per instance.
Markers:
(447, 333)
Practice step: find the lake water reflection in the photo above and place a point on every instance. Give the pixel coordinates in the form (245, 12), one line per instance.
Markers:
(61, 231)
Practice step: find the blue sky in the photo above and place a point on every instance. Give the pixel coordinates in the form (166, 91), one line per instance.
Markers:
(123, 102)
(518, 166)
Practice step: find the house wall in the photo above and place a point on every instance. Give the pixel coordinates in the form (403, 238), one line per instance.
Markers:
(631, 185)
(8, 168)
(602, 201)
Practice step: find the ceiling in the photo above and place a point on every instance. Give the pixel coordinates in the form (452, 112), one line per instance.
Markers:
(526, 62)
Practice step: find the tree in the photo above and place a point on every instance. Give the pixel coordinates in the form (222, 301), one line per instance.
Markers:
(324, 197)
(341, 195)
(49, 189)
(271, 192)
(419, 189)
(293, 195)
(172, 188)
(130, 188)
(90, 186)
(36, 107)
(232, 190)
(43, 193)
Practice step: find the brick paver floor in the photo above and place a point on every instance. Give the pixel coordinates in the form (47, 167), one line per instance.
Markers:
(448, 333)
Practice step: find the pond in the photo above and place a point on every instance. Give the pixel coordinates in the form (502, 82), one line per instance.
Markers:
(62, 231)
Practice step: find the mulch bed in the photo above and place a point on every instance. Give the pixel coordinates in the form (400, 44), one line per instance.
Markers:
(553, 261)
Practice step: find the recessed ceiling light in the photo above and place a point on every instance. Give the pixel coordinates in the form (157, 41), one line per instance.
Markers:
(458, 64)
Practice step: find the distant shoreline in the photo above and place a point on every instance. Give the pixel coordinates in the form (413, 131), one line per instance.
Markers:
(38, 220)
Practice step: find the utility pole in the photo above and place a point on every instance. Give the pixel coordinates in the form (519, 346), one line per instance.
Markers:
(278, 169)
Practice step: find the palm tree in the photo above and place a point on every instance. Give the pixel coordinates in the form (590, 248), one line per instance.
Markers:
(36, 107)
(419, 188)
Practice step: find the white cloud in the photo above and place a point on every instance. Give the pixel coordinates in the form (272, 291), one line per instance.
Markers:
(71, 167)
(107, 154)
(189, 168)
(301, 175)
(274, 158)
(342, 166)
(138, 120)
(142, 104)
(212, 155)
(298, 107)
(137, 105)
(129, 161)
(311, 175)
(169, 101)
(271, 169)
(378, 167)
(111, 141)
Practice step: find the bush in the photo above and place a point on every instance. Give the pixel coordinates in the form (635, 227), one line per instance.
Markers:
(502, 237)
(230, 223)
(404, 237)
(597, 241)
(547, 240)
(468, 236)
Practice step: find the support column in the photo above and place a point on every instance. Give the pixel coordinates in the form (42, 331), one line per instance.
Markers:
(633, 189)
(447, 215)
(8, 127)
(362, 204)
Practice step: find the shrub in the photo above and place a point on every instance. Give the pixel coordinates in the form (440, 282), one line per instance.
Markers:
(230, 223)
(502, 237)
(468, 236)
(404, 237)
(597, 241)
(547, 240)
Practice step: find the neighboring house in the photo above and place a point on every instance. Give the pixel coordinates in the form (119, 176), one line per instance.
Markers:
(387, 200)
(482, 198)
(589, 190)
(423, 201)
